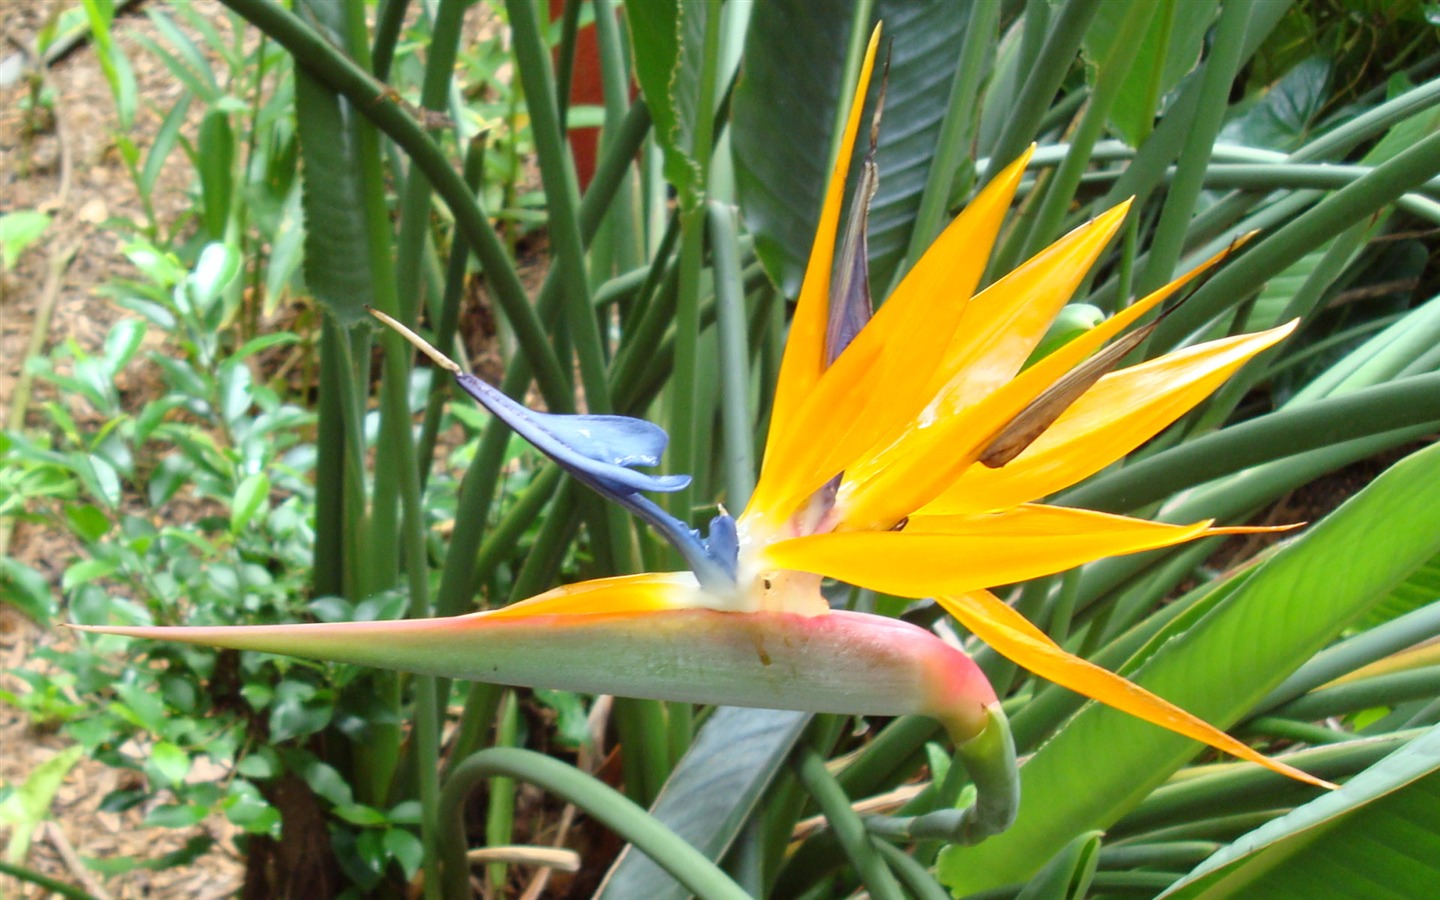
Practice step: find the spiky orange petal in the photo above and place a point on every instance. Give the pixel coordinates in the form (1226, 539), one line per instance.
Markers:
(804, 359)
(992, 341)
(1122, 411)
(954, 554)
(1014, 637)
(874, 381)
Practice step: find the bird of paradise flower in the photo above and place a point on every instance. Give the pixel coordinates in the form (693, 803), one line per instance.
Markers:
(926, 486)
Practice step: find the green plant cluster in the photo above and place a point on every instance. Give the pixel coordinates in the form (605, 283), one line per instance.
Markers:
(287, 463)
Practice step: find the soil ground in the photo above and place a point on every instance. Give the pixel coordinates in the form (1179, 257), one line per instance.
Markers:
(81, 197)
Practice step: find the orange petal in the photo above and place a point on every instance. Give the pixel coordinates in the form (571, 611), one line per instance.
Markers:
(872, 389)
(995, 336)
(1015, 638)
(804, 358)
(954, 554)
(1004, 323)
(1122, 411)
(643, 593)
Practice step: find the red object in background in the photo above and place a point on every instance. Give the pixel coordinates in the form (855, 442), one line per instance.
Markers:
(586, 90)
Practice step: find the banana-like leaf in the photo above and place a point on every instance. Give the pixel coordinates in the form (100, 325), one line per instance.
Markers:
(711, 794)
(1170, 49)
(1420, 589)
(337, 267)
(1068, 875)
(669, 41)
(1102, 764)
(1377, 836)
(784, 115)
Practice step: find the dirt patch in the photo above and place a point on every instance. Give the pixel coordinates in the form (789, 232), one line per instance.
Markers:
(65, 162)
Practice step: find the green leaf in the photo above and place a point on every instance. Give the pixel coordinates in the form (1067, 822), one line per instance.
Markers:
(261, 763)
(124, 339)
(113, 62)
(1170, 49)
(215, 163)
(176, 816)
(25, 808)
(1102, 763)
(406, 848)
(26, 589)
(88, 521)
(265, 342)
(669, 44)
(572, 727)
(19, 230)
(190, 66)
(99, 478)
(194, 848)
(337, 270)
(784, 117)
(299, 709)
(1420, 589)
(713, 790)
(140, 707)
(219, 265)
(84, 572)
(250, 496)
(1284, 115)
(167, 765)
(360, 814)
(322, 778)
(1380, 829)
(1068, 875)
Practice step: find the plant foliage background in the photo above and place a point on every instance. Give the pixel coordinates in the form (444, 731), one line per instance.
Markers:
(399, 155)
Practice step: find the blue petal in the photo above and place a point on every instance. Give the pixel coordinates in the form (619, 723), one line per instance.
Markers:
(597, 448)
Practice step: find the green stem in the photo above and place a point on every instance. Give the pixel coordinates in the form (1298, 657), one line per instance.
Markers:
(44, 881)
(500, 822)
(1379, 690)
(562, 197)
(481, 703)
(1226, 56)
(644, 736)
(885, 761)
(388, 22)
(1331, 216)
(1329, 146)
(1044, 80)
(1183, 855)
(958, 128)
(565, 74)
(1364, 648)
(734, 357)
(327, 571)
(447, 322)
(381, 558)
(684, 391)
(1292, 731)
(368, 98)
(916, 877)
(847, 826)
(415, 202)
(477, 488)
(1287, 432)
(626, 240)
(1237, 787)
(603, 803)
(1113, 72)
(500, 544)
